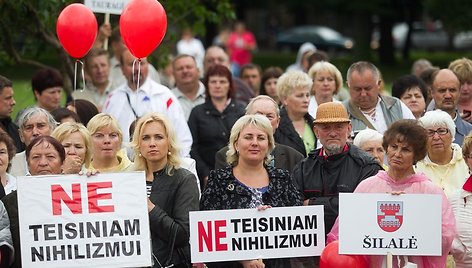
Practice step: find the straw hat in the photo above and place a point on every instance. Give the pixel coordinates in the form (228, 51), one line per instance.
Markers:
(331, 112)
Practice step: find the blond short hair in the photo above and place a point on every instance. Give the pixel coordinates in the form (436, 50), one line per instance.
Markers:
(324, 66)
(259, 121)
(292, 80)
(173, 158)
(102, 120)
(66, 129)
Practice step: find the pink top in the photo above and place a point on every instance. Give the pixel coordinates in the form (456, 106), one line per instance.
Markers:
(414, 184)
(238, 46)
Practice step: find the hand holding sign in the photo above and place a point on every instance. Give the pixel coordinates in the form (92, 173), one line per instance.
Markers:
(143, 24)
(76, 29)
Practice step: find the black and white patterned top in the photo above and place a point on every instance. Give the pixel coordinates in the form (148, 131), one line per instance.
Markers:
(224, 191)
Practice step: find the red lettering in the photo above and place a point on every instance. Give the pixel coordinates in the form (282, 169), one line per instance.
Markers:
(220, 234)
(207, 236)
(74, 203)
(93, 197)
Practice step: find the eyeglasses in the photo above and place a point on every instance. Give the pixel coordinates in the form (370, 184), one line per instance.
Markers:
(440, 131)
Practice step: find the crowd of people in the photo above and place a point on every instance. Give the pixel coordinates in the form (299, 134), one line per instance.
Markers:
(218, 132)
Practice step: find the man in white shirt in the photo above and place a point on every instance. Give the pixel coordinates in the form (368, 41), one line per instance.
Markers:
(188, 89)
(130, 101)
(367, 108)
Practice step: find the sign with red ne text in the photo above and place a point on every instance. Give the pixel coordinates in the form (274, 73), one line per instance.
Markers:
(106, 6)
(79, 221)
(377, 224)
(244, 234)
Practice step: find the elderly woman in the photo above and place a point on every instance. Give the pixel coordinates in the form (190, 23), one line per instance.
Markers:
(211, 122)
(296, 125)
(106, 144)
(327, 81)
(406, 143)
(249, 182)
(461, 202)
(75, 138)
(269, 82)
(7, 152)
(172, 190)
(370, 141)
(45, 156)
(413, 92)
(444, 163)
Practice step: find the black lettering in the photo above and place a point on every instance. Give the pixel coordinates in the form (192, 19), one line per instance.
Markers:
(246, 225)
(283, 243)
(307, 242)
(236, 244)
(131, 248)
(59, 250)
(95, 230)
(295, 241)
(366, 243)
(253, 243)
(71, 232)
(132, 229)
(138, 247)
(310, 222)
(235, 224)
(263, 224)
(35, 231)
(77, 252)
(96, 253)
(392, 243)
(111, 251)
(37, 254)
(298, 223)
(412, 242)
(115, 229)
(267, 243)
(49, 232)
(60, 235)
(280, 224)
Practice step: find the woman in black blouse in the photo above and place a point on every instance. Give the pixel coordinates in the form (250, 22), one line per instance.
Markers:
(248, 182)
(211, 122)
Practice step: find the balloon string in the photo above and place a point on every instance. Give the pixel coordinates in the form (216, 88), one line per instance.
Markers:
(75, 74)
(139, 72)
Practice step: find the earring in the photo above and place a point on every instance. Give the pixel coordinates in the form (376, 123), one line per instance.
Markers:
(169, 153)
(140, 155)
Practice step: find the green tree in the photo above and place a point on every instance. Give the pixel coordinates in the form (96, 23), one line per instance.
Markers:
(28, 28)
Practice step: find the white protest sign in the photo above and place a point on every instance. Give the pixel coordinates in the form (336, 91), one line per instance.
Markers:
(376, 224)
(79, 221)
(243, 234)
(106, 6)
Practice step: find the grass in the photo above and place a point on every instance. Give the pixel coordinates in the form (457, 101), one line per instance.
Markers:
(21, 75)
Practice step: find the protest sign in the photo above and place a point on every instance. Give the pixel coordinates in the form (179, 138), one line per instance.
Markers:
(377, 224)
(243, 234)
(79, 221)
(106, 6)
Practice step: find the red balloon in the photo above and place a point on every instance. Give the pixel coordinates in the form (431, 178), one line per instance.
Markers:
(77, 29)
(143, 24)
(330, 258)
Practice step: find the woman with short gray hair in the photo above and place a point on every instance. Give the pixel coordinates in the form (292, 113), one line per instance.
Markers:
(370, 141)
(444, 163)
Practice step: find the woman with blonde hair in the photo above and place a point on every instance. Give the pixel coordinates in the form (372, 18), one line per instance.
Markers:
(75, 138)
(296, 124)
(172, 191)
(249, 181)
(107, 137)
(327, 81)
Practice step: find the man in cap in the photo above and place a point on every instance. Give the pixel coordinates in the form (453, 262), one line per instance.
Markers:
(336, 167)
